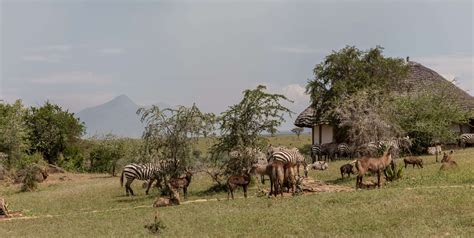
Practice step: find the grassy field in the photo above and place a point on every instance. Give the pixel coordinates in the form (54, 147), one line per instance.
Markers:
(424, 203)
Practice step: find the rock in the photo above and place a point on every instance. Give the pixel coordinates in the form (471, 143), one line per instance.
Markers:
(53, 169)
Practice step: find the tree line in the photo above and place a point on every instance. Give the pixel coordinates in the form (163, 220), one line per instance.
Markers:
(353, 89)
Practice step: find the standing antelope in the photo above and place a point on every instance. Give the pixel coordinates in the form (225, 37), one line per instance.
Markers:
(182, 182)
(374, 165)
(238, 180)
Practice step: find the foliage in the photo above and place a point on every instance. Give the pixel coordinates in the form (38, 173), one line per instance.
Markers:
(297, 131)
(242, 124)
(428, 118)
(13, 131)
(52, 130)
(28, 160)
(393, 174)
(156, 227)
(106, 153)
(30, 180)
(172, 133)
(352, 84)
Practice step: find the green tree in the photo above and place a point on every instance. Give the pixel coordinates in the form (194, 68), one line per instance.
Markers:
(428, 118)
(52, 130)
(348, 80)
(173, 134)
(242, 125)
(297, 131)
(13, 131)
(106, 154)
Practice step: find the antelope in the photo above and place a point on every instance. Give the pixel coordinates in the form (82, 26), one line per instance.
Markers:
(238, 180)
(414, 161)
(448, 161)
(374, 165)
(181, 182)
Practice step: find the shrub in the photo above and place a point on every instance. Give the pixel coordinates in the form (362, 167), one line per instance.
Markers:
(156, 227)
(393, 174)
(33, 174)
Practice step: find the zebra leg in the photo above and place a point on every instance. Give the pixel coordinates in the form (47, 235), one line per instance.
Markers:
(149, 185)
(128, 188)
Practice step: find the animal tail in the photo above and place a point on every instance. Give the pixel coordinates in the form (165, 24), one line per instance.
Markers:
(121, 179)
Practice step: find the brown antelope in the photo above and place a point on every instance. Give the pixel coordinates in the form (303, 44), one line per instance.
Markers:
(448, 161)
(277, 178)
(238, 180)
(414, 161)
(181, 182)
(374, 165)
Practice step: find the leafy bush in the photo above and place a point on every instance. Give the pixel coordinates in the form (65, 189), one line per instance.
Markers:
(394, 174)
(34, 173)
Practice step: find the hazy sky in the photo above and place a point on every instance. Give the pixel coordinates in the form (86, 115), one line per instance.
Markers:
(83, 53)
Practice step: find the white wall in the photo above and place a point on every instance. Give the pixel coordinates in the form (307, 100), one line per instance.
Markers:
(327, 134)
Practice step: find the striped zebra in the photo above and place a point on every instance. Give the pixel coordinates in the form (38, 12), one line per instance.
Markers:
(149, 171)
(466, 139)
(316, 152)
(289, 157)
(343, 150)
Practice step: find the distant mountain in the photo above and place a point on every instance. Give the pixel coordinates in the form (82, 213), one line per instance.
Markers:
(117, 116)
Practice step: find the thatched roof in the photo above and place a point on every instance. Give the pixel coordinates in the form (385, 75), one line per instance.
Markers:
(420, 79)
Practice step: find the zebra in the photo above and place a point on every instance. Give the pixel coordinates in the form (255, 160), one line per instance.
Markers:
(466, 139)
(149, 171)
(289, 157)
(316, 152)
(344, 150)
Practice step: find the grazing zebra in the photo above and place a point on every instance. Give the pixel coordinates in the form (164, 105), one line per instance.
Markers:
(150, 171)
(466, 139)
(289, 159)
(329, 150)
(316, 152)
(344, 150)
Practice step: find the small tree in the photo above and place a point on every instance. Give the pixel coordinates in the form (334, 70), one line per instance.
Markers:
(297, 131)
(13, 131)
(242, 124)
(172, 133)
(52, 130)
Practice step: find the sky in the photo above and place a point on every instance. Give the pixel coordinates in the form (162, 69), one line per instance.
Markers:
(81, 53)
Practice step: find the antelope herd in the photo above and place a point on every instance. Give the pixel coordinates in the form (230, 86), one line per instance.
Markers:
(282, 166)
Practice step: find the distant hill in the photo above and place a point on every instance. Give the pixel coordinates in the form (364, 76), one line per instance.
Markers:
(117, 116)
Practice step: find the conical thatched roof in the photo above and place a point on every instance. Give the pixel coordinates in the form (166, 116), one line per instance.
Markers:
(420, 80)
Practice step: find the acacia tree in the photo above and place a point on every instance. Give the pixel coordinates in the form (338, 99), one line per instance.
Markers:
(297, 131)
(351, 86)
(13, 131)
(242, 125)
(171, 133)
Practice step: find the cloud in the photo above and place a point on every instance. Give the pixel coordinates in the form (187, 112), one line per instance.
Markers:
(459, 67)
(300, 50)
(111, 51)
(54, 58)
(72, 78)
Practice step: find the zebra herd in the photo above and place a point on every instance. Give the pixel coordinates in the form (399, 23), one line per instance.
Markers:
(334, 151)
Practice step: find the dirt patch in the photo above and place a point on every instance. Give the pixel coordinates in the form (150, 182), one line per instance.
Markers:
(311, 186)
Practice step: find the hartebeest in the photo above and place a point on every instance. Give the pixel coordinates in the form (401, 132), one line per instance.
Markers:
(238, 180)
(374, 165)
(182, 182)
